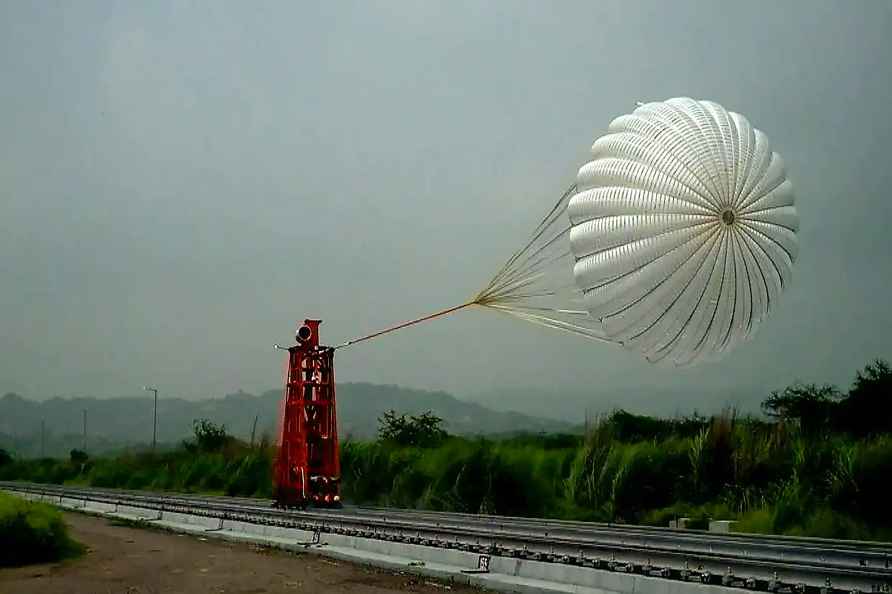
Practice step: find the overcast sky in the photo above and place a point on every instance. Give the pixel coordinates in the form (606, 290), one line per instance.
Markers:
(181, 182)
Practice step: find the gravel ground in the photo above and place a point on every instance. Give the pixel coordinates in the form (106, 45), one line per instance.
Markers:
(125, 560)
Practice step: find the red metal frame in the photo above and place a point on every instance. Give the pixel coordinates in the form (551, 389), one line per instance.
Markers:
(308, 469)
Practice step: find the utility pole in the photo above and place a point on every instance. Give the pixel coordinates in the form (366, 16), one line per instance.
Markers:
(42, 438)
(84, 448)
(253, 429)
(154, 415)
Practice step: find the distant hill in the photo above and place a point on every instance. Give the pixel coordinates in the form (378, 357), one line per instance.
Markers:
(117, 423)
(663, 401)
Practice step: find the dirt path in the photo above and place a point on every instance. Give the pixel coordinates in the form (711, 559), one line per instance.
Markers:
(123, 560)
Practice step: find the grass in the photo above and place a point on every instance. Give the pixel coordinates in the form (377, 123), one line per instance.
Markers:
(240, 471)
(32, 533)
(770, 477)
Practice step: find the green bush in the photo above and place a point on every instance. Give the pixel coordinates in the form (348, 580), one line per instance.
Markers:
(32, 533)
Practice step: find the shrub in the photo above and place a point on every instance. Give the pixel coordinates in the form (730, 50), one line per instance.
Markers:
(210, 437)
(32, 533)
(424, 430)
(78, 457)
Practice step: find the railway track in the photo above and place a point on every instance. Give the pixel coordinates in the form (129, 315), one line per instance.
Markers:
(764, 563)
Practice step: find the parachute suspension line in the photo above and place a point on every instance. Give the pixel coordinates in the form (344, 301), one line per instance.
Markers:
(535, 284)
(552, 322)
(442, 312)
(516, 264)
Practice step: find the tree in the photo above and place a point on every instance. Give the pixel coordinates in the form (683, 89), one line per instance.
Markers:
(210, 437)
(423, 430)
(809, 405)
(78, 457)
(868, 407)
(5, 457)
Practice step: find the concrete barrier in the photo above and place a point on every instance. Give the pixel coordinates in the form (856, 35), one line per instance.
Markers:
(246, 531)
(540, 571)
(100, 507)
(723, 526)
(451, 557)
(130, 512)
(680, 523)
(181, 522)
(72, 503)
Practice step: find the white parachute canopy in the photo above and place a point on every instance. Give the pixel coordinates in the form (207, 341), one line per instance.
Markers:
(676, 240)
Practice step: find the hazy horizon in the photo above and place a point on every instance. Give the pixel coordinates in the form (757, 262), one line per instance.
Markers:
(181, 184)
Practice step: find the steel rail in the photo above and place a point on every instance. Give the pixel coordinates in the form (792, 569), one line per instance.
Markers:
(844, 553)
(750, 561)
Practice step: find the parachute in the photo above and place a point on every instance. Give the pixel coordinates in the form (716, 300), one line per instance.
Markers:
(676, 240)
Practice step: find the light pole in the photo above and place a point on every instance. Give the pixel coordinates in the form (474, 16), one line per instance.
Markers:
(154, 415)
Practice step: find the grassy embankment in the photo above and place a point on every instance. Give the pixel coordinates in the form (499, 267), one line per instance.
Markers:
(32, 533)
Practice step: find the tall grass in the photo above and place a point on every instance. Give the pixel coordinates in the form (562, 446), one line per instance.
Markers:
(238, 470)
(466, 475)
(771, 477)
